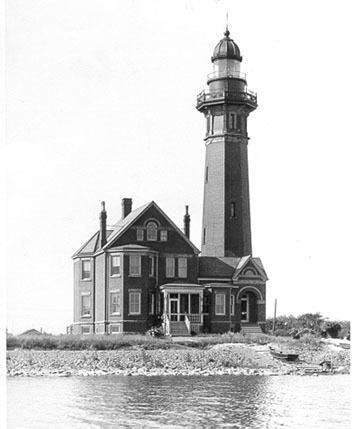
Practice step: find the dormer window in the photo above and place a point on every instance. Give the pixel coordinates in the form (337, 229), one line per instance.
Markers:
(151, 231)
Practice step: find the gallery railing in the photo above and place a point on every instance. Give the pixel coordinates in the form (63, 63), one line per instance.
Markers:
(224, 95)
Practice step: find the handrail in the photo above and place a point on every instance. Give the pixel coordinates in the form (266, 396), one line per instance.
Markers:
(245, 95)
(167, 325)
(227, 73)
(187, 322)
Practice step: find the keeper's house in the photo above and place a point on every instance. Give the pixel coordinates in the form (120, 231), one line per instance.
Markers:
(144, 270)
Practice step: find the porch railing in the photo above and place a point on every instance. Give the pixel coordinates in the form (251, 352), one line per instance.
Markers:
(188, 323)
(194, 318)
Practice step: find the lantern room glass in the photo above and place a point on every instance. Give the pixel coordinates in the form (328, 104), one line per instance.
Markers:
(226, 67)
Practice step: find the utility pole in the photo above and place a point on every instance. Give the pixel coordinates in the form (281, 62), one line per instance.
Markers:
(275, 314)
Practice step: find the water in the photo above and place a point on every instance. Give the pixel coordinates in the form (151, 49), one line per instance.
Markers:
(215, 401)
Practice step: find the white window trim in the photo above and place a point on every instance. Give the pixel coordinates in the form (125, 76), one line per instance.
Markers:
(86, 333)
(164, 231)
(155, 238)
(139, 295)
(112, 255)
(184, 268)
(141, 231)
(116, 313)
(86, 279)
(217, 305)
(117, 332)
(168, 276)
(134, 274)
(84, 294)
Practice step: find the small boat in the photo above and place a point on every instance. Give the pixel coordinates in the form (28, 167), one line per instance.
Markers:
(344, 345)
(278, 354)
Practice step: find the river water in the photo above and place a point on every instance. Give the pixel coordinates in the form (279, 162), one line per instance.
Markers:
(179, 401)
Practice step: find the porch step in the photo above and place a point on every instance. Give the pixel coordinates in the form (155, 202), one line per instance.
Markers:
(251, 329)
(178, 329)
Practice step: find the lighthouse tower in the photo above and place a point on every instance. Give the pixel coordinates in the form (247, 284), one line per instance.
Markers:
(226, 105)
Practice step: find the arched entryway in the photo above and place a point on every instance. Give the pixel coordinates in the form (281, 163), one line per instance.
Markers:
(248, 299)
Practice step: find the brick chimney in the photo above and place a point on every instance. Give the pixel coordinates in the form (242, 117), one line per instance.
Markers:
(186, 221)
(126, 207)
(103, 225)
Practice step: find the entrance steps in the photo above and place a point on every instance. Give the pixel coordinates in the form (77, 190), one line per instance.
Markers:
(178, 329)
(251, 329)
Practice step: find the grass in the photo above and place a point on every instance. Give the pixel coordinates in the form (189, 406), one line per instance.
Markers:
(115, 342)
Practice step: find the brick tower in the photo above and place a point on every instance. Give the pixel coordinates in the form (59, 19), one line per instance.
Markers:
(226, 104)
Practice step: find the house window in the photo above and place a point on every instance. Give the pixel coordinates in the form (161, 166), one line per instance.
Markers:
(239, 122)
(209, 118)
(135, 265)
(232, 305)
(85, 330)
(134, 303)
(163, 235)
(218, 125)
(182, 267)
(220, 304)
(139, 234)
(204, 235)
(115, 265)
(232, 121)
(170, 267)
(232, 210)
(86, 269)
(151, 231)
(151, 303)
(115, 303)
(116, 329)
(206, 174)
(85, 305)
(151, 266)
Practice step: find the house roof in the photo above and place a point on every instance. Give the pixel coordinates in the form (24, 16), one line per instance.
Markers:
(92, 245)
(212, 266)
(256, 262)
(32, 332)
(116, 230)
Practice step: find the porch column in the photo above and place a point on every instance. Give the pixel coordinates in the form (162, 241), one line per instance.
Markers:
(165, 308)
(201, 307)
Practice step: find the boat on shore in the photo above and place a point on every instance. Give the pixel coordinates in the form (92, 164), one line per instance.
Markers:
(279, 354)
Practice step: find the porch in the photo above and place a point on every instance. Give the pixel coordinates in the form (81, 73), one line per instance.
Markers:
(182, 309)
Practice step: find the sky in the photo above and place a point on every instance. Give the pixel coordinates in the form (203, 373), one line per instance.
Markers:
(100, 105)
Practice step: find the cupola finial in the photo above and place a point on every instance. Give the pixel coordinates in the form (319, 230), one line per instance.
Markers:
(227, 32)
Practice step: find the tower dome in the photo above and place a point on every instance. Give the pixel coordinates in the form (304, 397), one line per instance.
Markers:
(226, 49)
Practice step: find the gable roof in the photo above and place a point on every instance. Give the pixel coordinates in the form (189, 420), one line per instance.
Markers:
(122, 225)
(115, 231)
(256, 262)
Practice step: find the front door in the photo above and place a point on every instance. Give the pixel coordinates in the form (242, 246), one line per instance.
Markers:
(245, 309)
(174, 313)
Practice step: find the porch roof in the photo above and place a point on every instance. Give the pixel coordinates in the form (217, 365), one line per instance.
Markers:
(182, 287)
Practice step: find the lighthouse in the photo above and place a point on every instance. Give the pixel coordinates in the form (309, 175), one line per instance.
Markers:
(226, 105)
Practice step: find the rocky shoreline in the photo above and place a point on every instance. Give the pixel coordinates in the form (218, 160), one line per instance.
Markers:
(220, 359)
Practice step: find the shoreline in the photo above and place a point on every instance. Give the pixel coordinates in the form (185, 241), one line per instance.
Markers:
(220, 359)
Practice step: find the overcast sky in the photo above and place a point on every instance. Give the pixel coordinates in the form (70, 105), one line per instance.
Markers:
(101, 102)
